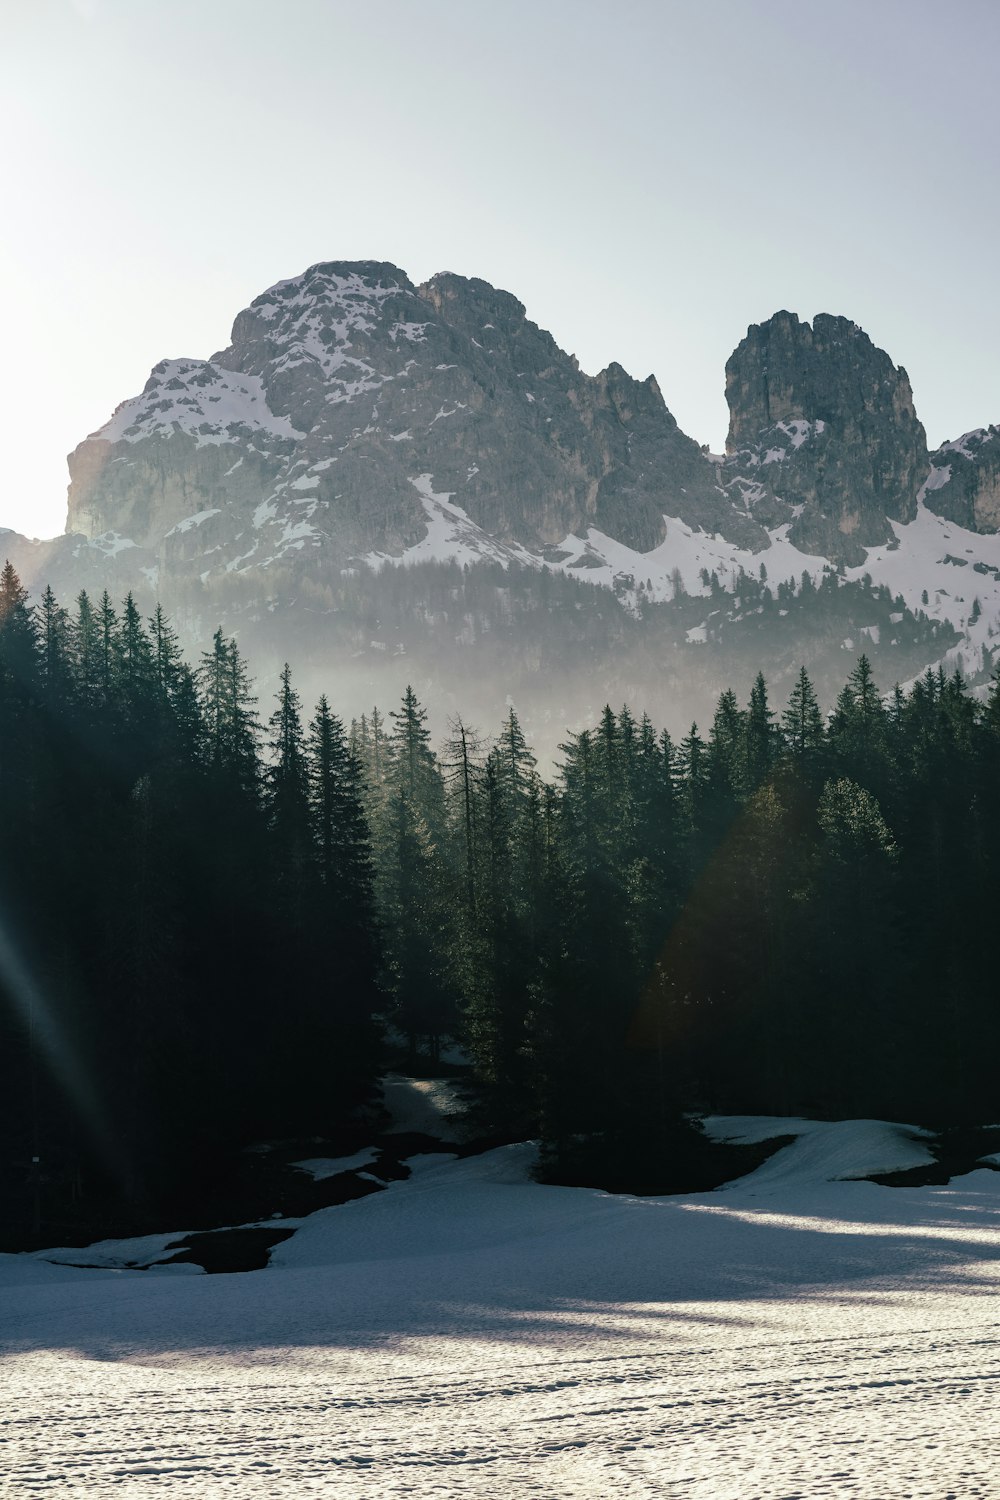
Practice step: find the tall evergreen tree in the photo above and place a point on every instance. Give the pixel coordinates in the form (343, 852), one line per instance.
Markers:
(55, 649)
(413, 769)
(343, 853)
(760, 742)
(415, 903)
(19, 687)
(858, 728)
(515, 761)
(802, 724)
(18, 639)
(231, 725)
(86, 648)
(287, 791)
(462, 769)
(107, 629)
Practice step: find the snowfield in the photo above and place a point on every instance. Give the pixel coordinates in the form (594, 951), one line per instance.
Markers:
(471, 1333)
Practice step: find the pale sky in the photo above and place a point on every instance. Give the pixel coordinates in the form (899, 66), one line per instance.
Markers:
(648, 177)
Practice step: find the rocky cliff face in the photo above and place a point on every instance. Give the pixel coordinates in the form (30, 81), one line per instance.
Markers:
(822, 418)
(964, 481)
(357, 416)
(347, 396)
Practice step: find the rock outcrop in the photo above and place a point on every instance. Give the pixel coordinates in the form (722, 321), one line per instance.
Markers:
(822, 418)
(964, 482)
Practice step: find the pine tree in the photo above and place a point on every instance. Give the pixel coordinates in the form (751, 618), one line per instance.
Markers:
(86, 646)
(230, 721)
(692, 763)
(858, 729)
(378, 748)
(106, 630)
(287, 792)
(342, 920)
(659, 878)
(595, 992)
(19, 687)
(516, 762)
(135, 660)
(759, 736)
(462, 767)
(55, 649)
(18, 639)
(802, 724)
(413, 768)
(187, 726)
(490, 1023)
(340, 830)
(415, 904)
(167, 659)
(727, 777)
(727, 745)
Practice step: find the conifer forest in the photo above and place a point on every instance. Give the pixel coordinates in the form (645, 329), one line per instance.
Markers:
(218, 914)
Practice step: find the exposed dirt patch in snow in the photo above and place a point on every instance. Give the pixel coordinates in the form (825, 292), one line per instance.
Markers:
(433, 1107)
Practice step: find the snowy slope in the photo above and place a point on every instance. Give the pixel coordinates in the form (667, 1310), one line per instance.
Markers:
(955, 568)
(472, 1333)
(196, 398)
(931, 556)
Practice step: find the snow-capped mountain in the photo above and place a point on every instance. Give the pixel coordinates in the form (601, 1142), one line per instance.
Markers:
(358, 423)
(340, 389)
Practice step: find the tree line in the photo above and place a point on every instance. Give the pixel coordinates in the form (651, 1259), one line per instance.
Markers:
(188, 952)
(211, 920)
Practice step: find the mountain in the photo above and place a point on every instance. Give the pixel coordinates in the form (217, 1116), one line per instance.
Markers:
(821, 416)
(375, 470)
(344, 385)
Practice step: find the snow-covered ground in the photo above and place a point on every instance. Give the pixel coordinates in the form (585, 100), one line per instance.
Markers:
(471, 1333)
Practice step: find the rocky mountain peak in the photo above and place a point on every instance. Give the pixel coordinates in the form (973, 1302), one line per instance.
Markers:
(466, 298)
(829, 370)
(359, 426)
(358, 420)
(827, 422)
(343, 389)
(631, 398)
(964, 481)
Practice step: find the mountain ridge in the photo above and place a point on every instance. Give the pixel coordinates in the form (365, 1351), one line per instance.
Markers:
(358, 424)
(352, 334)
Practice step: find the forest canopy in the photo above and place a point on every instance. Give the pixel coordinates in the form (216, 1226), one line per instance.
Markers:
(215, 916)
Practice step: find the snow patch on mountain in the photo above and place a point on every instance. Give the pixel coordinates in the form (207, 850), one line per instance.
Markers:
(951, 574)
(969, 443)
(674, 567)
(933, 564)
(190, 522)
(317, 317)
(771, 448)
(677, 564)
(205, 401)
(355, 295)
(451, 536)
(110, 543)
(936, 480)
